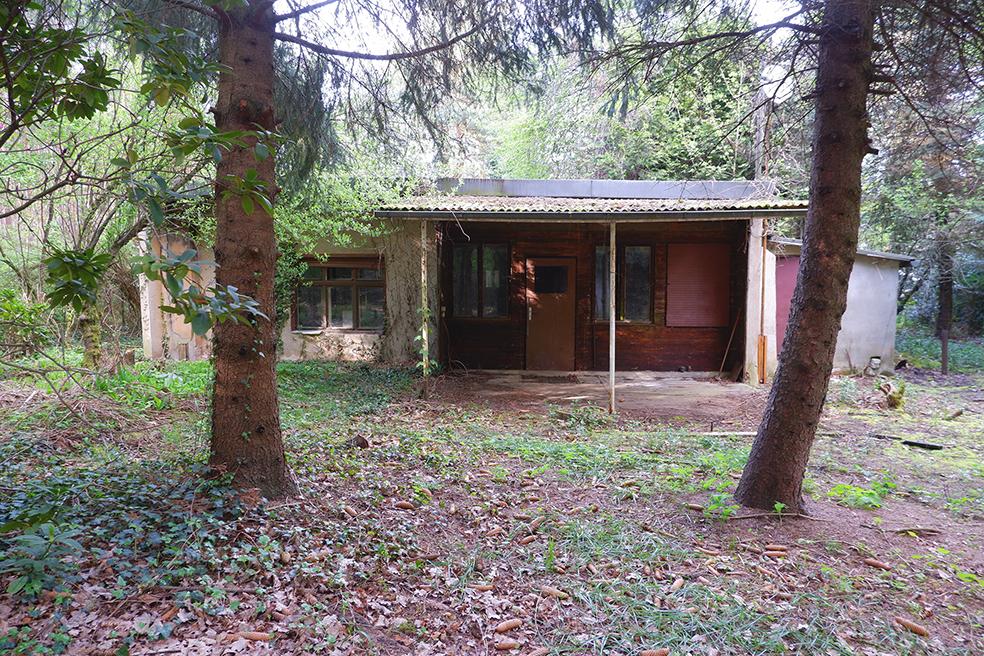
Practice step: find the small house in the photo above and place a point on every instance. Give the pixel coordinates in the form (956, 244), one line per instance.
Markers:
(559, 275)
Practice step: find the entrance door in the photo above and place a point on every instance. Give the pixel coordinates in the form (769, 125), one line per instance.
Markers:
(550, 313)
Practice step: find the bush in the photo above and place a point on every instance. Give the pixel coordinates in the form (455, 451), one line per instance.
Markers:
(24, 326)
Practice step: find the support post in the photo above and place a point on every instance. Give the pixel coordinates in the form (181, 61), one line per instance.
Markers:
(424, 309)
(612, 253)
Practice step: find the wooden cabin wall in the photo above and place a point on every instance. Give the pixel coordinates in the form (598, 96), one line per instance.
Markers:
(501, 343)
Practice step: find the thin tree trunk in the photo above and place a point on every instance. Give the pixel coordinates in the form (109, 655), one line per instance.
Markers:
(944, 308)
(779, 455)
(90, 329)
(246, 435)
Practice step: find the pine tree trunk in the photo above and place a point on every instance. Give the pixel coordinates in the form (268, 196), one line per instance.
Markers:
(779, 455)
(246, 435)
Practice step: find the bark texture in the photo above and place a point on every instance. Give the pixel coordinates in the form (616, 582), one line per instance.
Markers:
(246, 435)
(779, 455)
(90, 329)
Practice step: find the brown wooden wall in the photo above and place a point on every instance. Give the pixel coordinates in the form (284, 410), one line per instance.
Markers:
(500, 343)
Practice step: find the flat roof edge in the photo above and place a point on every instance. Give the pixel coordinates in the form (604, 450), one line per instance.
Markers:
(590, 217)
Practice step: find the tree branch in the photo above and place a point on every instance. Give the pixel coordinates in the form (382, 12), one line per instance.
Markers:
(395, 56)
(303, 10)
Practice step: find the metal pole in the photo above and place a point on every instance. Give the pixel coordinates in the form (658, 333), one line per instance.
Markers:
(424, 318)
(611, 318)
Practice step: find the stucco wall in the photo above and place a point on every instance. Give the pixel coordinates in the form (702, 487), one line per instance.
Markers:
(169, 336)
(868, 324)
(760, 310)
(400, 249)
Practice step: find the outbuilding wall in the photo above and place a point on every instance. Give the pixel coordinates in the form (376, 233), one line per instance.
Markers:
(167, 336)
(868, 324)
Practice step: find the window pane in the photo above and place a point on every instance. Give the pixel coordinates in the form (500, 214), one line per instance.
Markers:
(550, 279)
(638, 295)
(464, 274)
(601, 282)
(340, 307)
(310, 307)
(339, 273)
(371, 301)
(314, 273)
(370, 274)
(495, 295)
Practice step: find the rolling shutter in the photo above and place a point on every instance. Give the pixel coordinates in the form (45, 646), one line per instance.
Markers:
(698, 285)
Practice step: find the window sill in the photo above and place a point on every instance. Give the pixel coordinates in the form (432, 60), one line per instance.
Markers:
(624, 322)
(311, 332)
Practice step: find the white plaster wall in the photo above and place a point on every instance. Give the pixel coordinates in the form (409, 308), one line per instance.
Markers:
(759, 311)
(868, 325)
(169, 336)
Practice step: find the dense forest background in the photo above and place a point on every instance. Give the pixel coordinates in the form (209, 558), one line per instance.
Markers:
(697, 115)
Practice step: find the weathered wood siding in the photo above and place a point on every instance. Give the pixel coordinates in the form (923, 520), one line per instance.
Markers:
(501, 343)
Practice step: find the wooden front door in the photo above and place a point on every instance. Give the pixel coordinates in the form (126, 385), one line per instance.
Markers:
(550, 313)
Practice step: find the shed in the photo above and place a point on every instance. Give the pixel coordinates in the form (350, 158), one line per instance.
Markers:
(517, 275)
(868, 325)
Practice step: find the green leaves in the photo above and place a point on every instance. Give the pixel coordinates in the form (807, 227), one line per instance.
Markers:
(74, 276)
(201, 308)
(250, 189)
(57, 72)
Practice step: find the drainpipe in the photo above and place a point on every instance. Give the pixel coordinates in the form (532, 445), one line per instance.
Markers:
(611, 317)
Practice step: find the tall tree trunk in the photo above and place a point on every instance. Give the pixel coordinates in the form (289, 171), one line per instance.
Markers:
(779, 455)
(246, 435)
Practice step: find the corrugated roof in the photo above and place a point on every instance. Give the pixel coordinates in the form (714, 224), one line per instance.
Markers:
(595, 208)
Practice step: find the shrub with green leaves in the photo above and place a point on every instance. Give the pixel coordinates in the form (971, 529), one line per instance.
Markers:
(24, 326)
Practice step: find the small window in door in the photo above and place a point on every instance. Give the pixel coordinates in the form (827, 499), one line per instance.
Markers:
(550, 280)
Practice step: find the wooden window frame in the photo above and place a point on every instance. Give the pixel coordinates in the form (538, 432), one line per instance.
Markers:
(480, 283)
(620, 283)
(353, 263)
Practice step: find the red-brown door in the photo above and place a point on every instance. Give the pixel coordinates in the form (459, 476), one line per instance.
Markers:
(550, 313)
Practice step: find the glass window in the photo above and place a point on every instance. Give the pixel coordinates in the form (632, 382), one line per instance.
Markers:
(349, 294)
(550, 280)
(339, 273)
(310, 307)
(464, 274)
(495, 280)
(371, 303)
(638, 282)
(633, 283)
(601, 284)
(340, 307)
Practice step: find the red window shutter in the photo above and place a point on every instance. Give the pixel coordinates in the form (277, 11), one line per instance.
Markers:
(698, 285)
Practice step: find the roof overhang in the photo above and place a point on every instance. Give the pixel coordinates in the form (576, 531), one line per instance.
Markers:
(795, 245)
(587, 217)
(570, 209)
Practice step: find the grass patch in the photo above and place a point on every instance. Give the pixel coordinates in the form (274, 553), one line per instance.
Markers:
(924, 350)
